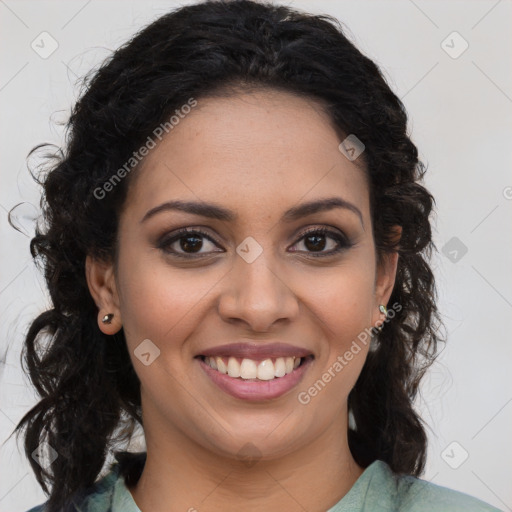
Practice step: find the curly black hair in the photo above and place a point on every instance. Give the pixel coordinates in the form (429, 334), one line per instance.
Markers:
(90, 394)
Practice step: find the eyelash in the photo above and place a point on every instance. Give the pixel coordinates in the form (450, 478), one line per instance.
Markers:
(166, 241)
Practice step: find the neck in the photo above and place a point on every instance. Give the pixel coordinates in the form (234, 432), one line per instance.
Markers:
(181, 475)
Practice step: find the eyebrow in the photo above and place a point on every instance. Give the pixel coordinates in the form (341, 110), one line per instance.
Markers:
(214, 211)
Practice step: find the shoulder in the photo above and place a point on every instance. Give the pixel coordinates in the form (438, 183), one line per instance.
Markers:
(101, 496)
(418, 495)
(413, 494)
(98, 498)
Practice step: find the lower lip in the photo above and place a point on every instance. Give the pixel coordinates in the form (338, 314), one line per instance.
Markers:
(256, 390)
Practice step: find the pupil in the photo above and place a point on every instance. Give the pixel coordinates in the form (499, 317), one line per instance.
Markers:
(194, 246)
(315, 244)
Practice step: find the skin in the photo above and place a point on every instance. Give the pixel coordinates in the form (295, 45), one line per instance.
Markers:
(258, 153)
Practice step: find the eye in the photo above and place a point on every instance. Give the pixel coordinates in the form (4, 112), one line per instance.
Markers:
(315, 242)
(187, 243)
(190, 241)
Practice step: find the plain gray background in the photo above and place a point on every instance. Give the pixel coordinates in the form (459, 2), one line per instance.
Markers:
(460, 103)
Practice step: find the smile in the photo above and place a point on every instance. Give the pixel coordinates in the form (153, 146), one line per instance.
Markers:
(247, 369)
(251, 379)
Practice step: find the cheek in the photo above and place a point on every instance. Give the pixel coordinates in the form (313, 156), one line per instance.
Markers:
(342, 298)
(341, 304)
(345, 319)
(156, 301)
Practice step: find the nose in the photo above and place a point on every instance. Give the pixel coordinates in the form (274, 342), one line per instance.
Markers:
(258, 294)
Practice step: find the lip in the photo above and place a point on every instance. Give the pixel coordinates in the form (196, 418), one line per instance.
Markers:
(256, 351)
(253, 389)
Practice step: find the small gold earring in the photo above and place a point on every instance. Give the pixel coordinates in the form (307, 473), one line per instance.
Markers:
(107, 319)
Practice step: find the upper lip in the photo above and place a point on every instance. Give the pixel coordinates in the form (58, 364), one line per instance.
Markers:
(253, 350)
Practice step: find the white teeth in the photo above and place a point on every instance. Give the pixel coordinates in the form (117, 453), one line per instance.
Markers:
(219, 363)
(280, 367)
(250, 369)
(266, 370)
(233, 367)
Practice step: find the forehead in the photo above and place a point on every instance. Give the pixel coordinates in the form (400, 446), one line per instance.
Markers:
(266, 148)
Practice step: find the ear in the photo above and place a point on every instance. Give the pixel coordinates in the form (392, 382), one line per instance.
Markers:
(385, 279)
(102, 286)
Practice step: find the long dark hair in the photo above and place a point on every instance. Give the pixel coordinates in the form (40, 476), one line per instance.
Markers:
(90, 393)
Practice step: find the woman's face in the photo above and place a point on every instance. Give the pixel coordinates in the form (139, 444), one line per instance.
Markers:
(253, 277)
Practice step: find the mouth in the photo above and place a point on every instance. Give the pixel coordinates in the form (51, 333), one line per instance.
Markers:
(254, 370)
(255, 380)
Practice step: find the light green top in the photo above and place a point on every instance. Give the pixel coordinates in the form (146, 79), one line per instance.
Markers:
(376, 490)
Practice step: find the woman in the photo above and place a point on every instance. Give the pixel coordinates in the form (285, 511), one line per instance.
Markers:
(237, 250)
